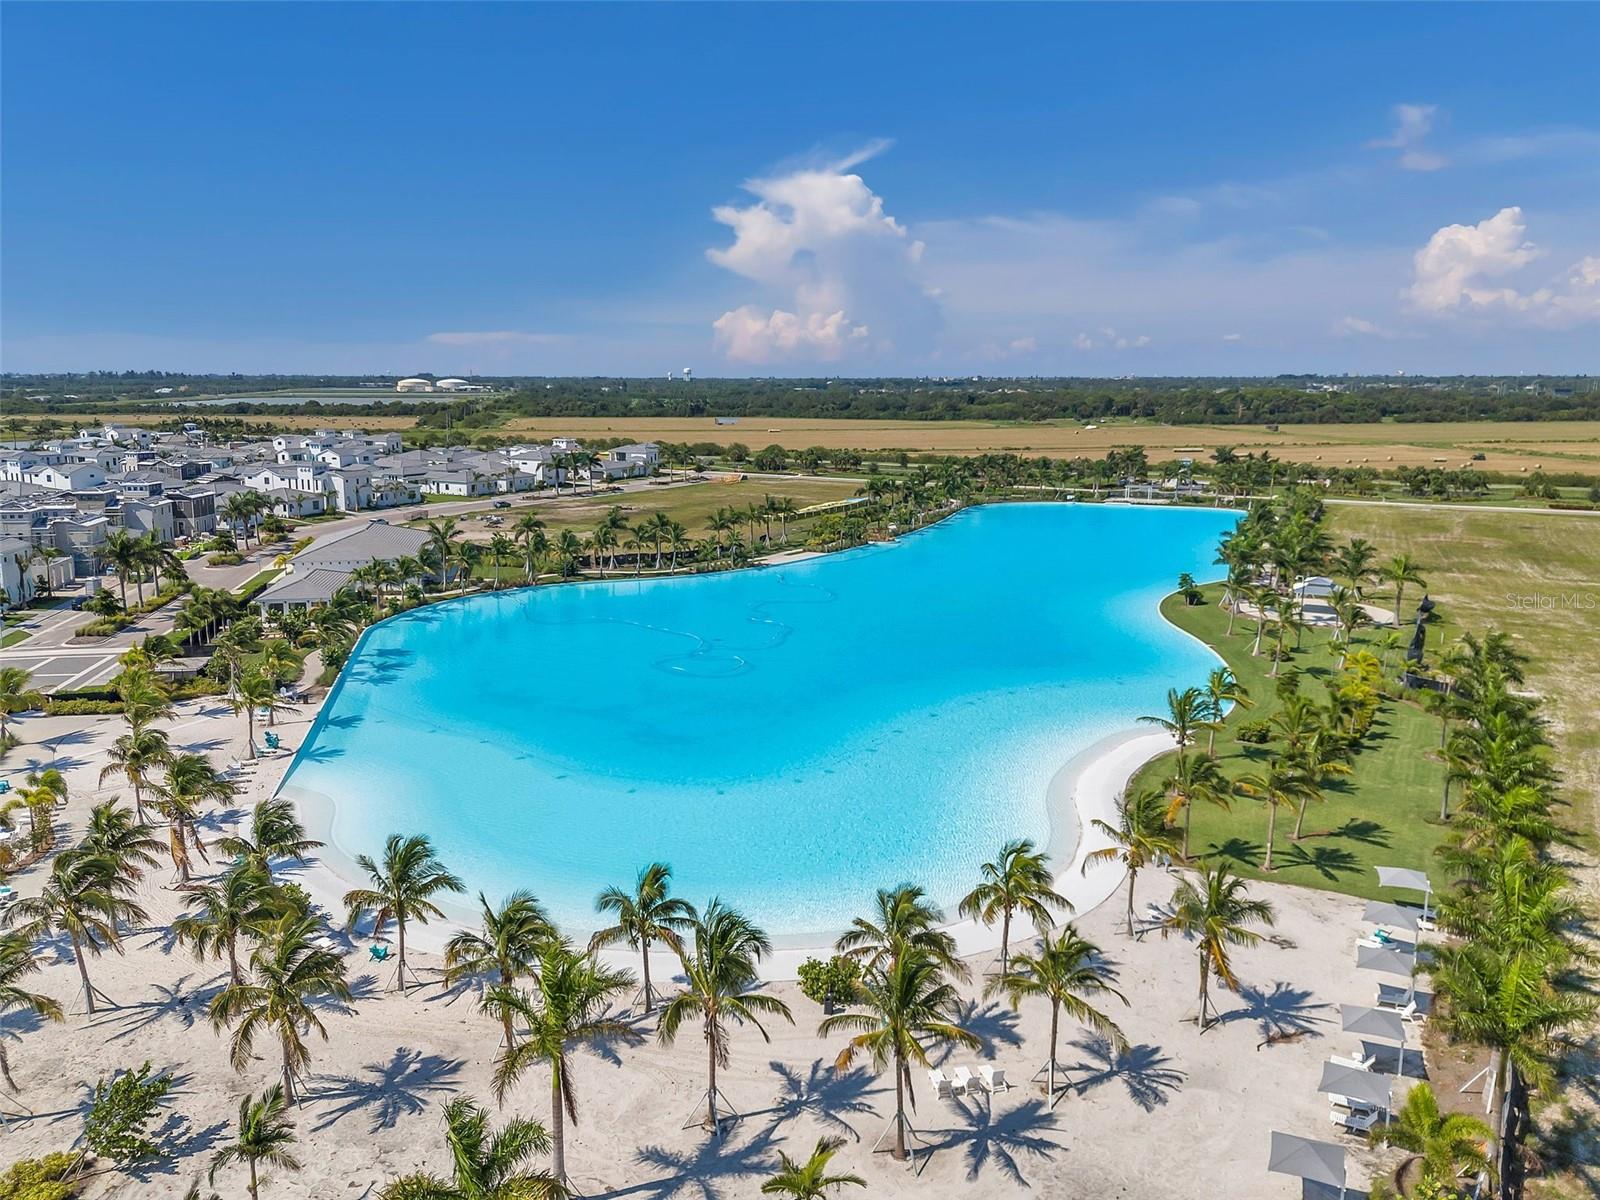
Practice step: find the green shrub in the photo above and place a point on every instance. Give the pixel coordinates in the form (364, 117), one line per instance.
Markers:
(40, 1178)
(829, 983)
(225, 558)
(81, 708)
(121, 1111)
(1255, 733)
(103, 627)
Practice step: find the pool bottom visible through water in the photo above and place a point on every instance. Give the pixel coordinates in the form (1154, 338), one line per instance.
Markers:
(789, 738)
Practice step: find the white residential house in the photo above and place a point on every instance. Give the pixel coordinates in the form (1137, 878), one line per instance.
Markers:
(67, 477)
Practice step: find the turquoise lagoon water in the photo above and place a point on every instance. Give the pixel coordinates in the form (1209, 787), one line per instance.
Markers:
(789, 738)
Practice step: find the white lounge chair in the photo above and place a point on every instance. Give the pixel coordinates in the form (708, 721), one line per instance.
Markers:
(964, 1082)
(941, 1086)
(994, 1079)
(1355, 1120)
(1361, 1060)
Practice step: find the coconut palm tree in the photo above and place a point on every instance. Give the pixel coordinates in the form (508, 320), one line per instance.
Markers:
(1443, 1146)
(500, 547)
(485, 1165)
(1018, 880)
(1194, 779)
(809, 1180)
(114, 832)
(1401, 570)
(240, 902)
(1284, 784)
(85, 898)
(1222, 692)
(906, 1006)
(719, 965)
(568, 550)
(529, 534)
(17, 694)
(1187, 714)
(264, 1138)
(275, 832)
(1139, 838)
(1218, 915)
(566, 1008)
(190, 782)
(442, 535)
(1354, 561)
(17, 961)
(136, 755)
(402, 890)
(903, 919)
(644, 916)
(121, 552)
(1065, 971)
(282, 996)
(41, 792)
(507, 945)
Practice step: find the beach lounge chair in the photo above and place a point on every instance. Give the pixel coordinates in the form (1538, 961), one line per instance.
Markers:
(994, 1079)
(1354, 1120)
(5, 786)
(324, 943)
(963, 1081)
(272, 741)
(941, 1085)
(1360, 1060)
(379, 953)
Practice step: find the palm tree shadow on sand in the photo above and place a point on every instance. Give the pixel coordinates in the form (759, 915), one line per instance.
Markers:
(704, 1170)
(824, 1094)
(1001, 1137)
(387, 1091)
(1283, 1011)
(1143, 1069)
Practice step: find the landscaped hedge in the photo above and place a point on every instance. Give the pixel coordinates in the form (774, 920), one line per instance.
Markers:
(103, 626)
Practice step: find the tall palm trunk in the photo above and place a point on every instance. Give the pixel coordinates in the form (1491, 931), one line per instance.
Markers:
(1132, 872)
(83, 973)
(1005, 940)
(288, 1075)
(1205, 982)
(1300, 818)
(558, 1129)
(899, 1105)
(400, 957)
(253, 1182)
(1272, 825)
(1055, 1025)
(644, 963)
(711, 1092)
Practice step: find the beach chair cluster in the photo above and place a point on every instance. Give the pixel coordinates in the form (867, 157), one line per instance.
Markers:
(962, 1082)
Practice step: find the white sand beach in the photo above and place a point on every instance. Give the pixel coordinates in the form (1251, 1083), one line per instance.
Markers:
(1173, 1117)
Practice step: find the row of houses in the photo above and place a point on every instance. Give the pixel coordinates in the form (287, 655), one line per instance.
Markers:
(61, 499)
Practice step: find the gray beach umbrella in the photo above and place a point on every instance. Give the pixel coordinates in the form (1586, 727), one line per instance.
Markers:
(1367, 1087)
(1306, 1158)
(1381, 912)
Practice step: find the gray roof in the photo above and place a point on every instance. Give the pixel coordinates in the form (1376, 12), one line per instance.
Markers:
(316, 586)
(377, 540)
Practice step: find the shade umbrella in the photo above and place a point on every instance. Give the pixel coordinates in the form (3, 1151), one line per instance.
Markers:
(1381, 912)
(1382, 1023)
(1371, 1088)
(1407, 877)
(1307, 1158)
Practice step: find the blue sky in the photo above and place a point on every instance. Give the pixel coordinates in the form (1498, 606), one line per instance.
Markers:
(800, 190)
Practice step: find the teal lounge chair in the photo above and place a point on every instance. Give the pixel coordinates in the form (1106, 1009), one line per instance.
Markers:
(379, 953)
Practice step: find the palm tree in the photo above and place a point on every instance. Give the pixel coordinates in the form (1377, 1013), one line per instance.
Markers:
(1193, 780)
(1139, 838)
(500, 547)
(568, 550)
(264, 1138)
(275, 832)
(288, 980)
(485, 1165)
(114, 832)
(1354, 560)
(442, 535)
(507, 944)
(904, 919)
(190, 781)
(1222, 691)
(401, 890)
(908, 1005)
(644, 916)
(1018, 880)
(1443, 1146)
(720, 969)
(784, 509)
(1401, 570)
(1065, 972)
(121, 552)
(1282, 785)
(809, 1180)
(566, 1009)
(17, 962)
(1186, 716)
(85, 897)
(239, 902)
(40, 793)
(17, 694)
(1218, 915)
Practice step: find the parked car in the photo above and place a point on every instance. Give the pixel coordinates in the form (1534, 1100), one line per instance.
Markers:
(502, 504)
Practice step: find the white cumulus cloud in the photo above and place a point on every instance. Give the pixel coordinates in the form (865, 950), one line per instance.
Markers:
(1412, 125)
(835, 269)
(1456, 272)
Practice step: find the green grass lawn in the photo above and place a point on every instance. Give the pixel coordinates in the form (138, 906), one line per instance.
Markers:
(12, 637)
(1384, 812)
